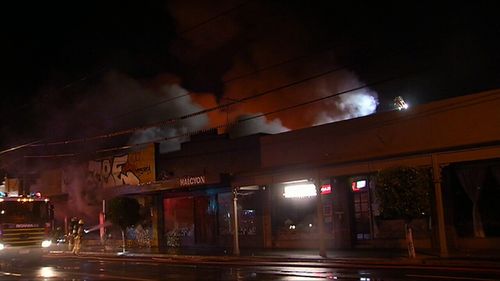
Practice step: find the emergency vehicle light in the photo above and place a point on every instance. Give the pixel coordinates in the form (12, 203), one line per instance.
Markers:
(35, 195)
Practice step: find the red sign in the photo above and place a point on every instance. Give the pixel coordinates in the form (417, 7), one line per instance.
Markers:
(326, 189)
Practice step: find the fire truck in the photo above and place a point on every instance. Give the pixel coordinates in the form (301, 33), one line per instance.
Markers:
(25, 225)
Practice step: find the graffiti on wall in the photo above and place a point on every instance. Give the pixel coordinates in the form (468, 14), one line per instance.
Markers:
(130, 169)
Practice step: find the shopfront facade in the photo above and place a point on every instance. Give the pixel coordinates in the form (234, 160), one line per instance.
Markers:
(342, 159)
(203, 216)
(197, 197)
(313, 188)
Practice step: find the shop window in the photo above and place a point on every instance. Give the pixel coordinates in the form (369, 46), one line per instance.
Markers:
(362, 211)
(248, 207)
(248, 224)
(179, 221)
(293, 215)
(225, 201)
(205, 219)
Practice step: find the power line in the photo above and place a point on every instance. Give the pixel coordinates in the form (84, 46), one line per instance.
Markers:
(281, 63)
(174, 120)
(366, 85)
(83, 78)
(150, 106)
(20, 146)
(489, 97)
(62, 88)
(238, 77)
(232, 79)
(51, 156)
(223, 13)
(242, 76)
(204, 111)
(226, 12)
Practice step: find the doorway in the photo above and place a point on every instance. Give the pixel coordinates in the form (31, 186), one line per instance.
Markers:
(205, 209)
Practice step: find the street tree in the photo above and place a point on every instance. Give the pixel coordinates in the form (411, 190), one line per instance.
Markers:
(123, 212)
(404, 193)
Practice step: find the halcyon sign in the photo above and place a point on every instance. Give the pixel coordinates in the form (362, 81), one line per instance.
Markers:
(188, 181)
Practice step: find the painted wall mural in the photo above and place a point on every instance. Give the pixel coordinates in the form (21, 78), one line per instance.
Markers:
(130, 169)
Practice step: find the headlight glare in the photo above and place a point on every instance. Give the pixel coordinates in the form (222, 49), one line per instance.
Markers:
(46, 243)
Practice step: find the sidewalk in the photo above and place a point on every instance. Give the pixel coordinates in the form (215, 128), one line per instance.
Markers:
(360, 257)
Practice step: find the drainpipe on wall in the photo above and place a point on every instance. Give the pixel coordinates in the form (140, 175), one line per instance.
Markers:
(236, 242)
(436, 174)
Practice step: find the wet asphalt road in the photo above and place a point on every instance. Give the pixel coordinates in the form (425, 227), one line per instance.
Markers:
(85, 268)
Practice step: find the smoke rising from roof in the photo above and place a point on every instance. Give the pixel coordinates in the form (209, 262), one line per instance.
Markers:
(351, 105)
(207, 61)
(180, 104)
(251, 124)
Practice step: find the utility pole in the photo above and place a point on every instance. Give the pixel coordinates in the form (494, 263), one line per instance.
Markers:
(102, 220)
(236, 242)
(436, 173)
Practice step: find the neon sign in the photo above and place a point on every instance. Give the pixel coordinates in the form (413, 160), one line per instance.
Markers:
(326, 189)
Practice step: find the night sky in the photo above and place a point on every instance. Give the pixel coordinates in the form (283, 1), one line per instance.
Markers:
(81, 69)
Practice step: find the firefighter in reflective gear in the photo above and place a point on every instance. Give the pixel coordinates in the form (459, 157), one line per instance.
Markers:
(73, 227)
(78, 238)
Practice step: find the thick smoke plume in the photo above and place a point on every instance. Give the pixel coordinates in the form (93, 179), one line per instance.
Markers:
(223, 61)
(270, 56)
(180, 104)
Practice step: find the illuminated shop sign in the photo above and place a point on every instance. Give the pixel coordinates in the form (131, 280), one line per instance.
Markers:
(299, 189)
(326, 189)
(189, 181)
(358, 185)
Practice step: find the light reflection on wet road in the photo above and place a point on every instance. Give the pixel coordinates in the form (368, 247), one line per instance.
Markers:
(74, 269)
